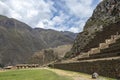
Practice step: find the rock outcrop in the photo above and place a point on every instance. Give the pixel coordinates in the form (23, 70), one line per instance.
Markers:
(104, 22)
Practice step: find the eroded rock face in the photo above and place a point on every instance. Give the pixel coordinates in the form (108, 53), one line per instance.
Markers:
(105, 14)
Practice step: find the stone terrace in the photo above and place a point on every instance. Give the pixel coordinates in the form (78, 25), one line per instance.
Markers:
(104, 59)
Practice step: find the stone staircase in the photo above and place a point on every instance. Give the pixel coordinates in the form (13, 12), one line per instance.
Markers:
(110, 48)
(104, 45)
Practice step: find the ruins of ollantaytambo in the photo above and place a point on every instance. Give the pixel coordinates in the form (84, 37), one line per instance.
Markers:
(97, 48)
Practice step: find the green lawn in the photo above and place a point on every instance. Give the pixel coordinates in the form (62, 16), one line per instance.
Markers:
(35, 74)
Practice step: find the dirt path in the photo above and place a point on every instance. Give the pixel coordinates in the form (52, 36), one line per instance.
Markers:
(74, 75)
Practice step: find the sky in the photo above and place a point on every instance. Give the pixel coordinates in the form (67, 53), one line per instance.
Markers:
(61, 15)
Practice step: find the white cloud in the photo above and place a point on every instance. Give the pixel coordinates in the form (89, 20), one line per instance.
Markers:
(56, 23)
(78, 27)
(41, 25)
(41, 13)
(27, 10)
(57, 19)
(80, 8)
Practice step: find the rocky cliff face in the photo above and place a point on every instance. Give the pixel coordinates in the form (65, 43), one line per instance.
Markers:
(107, 12)
(18, 41)
(98, 28)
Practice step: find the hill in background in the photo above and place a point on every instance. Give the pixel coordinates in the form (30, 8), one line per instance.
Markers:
(18, 41)
(47, 56)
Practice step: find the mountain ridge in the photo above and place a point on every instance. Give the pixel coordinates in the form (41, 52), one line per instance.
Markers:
(19, 41)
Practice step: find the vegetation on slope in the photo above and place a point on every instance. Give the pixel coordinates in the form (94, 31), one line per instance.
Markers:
(48, 55)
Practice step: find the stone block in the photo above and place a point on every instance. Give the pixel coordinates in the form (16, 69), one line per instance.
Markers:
(95, 51)
(103, 45)
(109, 41)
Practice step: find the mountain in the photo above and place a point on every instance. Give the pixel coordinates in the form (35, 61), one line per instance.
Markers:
(52, 38)
(101, 25)
(18, 41)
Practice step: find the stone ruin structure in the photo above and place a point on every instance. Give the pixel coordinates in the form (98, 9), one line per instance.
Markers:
(97, 48)
(25, 66)
(103, 59)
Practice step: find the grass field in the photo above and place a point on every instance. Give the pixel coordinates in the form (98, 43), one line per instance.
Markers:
(35, 74)
(45, 74)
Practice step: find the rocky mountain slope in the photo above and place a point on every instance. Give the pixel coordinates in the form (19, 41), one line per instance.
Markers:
(18, 41)
(102, 24)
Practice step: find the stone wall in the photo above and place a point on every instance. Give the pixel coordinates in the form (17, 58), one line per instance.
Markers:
(108, 68)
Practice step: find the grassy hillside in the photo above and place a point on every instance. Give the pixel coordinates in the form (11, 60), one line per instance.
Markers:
(51, 54)
(36, 74)
(62, 50)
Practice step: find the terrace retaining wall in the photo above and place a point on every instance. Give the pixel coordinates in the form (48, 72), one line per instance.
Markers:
(107, 68)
